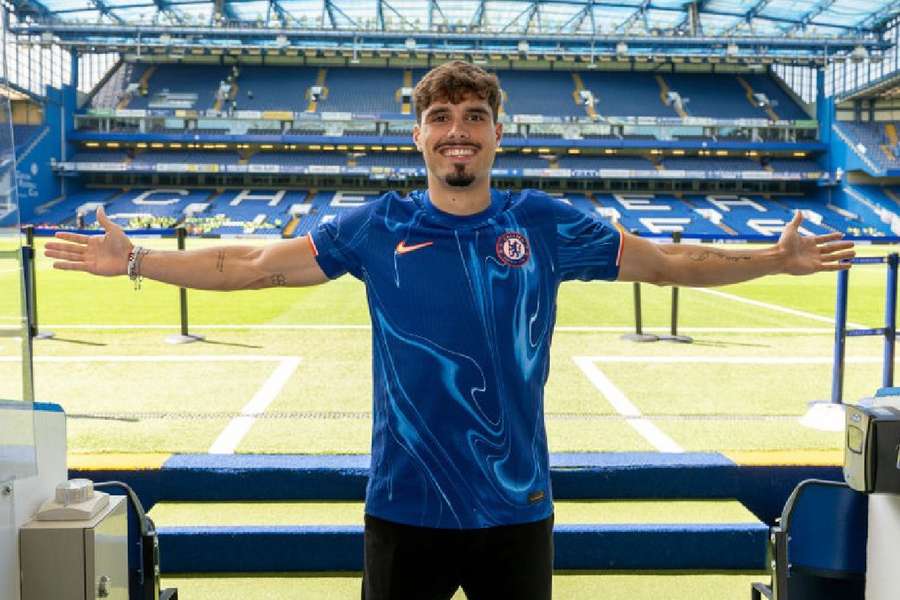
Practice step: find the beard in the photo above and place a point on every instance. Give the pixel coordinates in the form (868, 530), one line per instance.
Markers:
(459, 177)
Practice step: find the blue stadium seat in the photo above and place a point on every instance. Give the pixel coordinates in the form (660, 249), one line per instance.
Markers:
(819, 546)
(152, 157)
(540, 93)
(345, 85)
(626, 94)
(785, 108)
(274, 88)
(715, 96)
(630, 163)
(710, 164)
(202, 80)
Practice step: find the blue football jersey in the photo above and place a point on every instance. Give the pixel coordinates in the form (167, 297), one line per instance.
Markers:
(462, 311)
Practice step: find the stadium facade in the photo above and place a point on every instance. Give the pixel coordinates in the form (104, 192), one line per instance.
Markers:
(713, 118)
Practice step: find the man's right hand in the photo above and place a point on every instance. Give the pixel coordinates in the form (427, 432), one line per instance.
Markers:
(105, 255)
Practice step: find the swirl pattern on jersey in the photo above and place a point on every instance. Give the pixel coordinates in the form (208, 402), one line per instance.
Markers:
(461, 338)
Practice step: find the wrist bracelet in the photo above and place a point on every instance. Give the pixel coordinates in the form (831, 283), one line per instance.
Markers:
(135, 257)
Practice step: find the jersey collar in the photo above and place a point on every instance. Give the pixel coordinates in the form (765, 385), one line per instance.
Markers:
(499, 200)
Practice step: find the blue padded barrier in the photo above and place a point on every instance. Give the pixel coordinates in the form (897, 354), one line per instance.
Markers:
(762, 489)
(340, 548)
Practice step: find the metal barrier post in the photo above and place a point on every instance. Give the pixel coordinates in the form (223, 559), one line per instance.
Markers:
(840, 338)
(31, 286)
(829, 416)
(639, 335)
(890, 322)
(184, 337)
(673, 318)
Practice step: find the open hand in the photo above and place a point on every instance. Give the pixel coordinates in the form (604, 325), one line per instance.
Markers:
(105, 254)
(810, 254)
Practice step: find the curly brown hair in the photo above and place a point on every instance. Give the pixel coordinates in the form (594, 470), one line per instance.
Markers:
(454, 80)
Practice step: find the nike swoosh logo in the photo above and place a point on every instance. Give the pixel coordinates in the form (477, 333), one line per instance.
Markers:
(402, 248)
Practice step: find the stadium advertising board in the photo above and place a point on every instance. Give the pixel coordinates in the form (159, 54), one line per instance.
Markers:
(350, 117)
(381, 172)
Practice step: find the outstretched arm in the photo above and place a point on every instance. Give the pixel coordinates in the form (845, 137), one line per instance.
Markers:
(690, 265)
(284, 263)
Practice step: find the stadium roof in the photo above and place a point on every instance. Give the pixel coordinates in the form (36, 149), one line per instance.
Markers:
(708, 18)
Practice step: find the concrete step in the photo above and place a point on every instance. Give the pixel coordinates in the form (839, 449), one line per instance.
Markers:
(213, 537)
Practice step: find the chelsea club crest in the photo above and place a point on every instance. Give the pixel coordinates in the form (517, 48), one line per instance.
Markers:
(512, 249)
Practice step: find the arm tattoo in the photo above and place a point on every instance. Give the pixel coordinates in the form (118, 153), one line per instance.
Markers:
(702, 255)
(279, 280)
(220, 262)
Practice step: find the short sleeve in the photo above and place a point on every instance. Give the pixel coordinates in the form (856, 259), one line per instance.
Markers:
(338, 243)
(587, 248)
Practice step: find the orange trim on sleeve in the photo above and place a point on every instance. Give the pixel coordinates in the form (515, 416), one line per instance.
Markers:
(312, 244)
(621, 243)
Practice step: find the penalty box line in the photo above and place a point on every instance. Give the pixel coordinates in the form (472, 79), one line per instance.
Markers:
(647, 429)
(239, 426)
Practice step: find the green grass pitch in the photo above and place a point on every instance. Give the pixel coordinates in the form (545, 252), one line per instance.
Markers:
(127, 391)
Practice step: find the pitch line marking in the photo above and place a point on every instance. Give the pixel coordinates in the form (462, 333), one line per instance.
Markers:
(734, 360)
(559, 328)
(650, 432)
(775, 307)
(239, 426)
(154, 358)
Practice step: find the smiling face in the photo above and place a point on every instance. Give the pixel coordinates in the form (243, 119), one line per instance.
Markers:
(458, 141)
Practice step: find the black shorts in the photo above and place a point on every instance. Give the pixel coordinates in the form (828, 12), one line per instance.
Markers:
(512, 562)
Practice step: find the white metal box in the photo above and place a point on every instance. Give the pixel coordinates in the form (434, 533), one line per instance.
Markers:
(77, 560)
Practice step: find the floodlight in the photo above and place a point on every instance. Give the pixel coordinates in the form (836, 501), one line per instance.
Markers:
(859, 54)
(410, 43)
(523, 46)
(732, 49)
(281, 41)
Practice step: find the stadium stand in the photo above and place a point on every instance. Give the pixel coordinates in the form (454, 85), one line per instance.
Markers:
(793, 165)
(710, 164)
(274, 88)
(267, 212)
(195, 85)
(783, 104)
(390, 159)
(623, 94)
(717, 97)
(100, 157)
(112, 93)
(541, 93)
(879, 139)
(636, 163)
(299, 158)
(381, 87)
(154, 157)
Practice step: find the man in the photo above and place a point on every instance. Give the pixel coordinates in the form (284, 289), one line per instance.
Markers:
(461, 282)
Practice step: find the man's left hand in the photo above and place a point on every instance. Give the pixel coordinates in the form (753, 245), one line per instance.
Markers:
(810, 254)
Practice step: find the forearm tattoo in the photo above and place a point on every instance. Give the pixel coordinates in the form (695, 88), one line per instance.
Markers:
(702, 255)
(279, 280)
(220, 262)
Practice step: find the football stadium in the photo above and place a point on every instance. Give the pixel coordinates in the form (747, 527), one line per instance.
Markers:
(702, 440)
